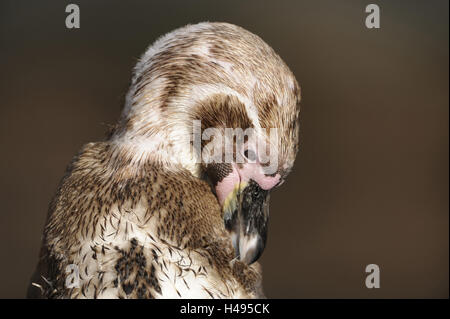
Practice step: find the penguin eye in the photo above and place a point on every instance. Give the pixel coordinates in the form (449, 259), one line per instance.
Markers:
(250, 155)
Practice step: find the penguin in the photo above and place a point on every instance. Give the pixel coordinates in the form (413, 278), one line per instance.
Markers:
(174, 203)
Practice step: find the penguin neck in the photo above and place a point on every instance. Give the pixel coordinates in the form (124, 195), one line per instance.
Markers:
(170, 148)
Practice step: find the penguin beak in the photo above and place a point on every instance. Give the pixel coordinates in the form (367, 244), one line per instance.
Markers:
(246, 217)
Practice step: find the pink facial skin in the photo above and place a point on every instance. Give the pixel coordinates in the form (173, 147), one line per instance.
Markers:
(249, 171)
(226, 185)
(255, 172)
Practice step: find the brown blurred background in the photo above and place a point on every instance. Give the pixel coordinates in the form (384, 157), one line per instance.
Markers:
(370, 184)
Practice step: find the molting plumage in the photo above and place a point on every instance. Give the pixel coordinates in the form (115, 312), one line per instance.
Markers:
(142, 214)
